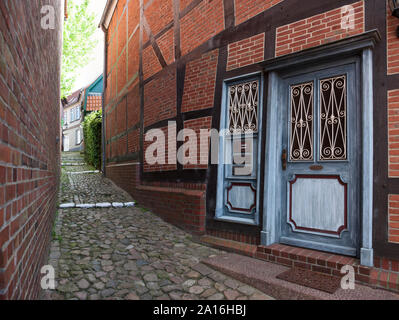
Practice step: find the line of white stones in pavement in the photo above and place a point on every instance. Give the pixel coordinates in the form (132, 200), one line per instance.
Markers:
(97, 205)
(84, 172)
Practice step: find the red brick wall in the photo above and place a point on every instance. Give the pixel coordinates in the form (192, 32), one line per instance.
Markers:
(125, 175)
(184, 4)
(246, 52)
(182, 207)
(133, 106)
(180, 204)
(393, 222)
(151, 63)
(29, 151)
(200, 24)
(123, 49)
(121, 117)
(386, 264)
(134, 141)
(162, 147)
(246, 9)
(160, 98)
(158, 14)
(200, 161)
(199, 84)
(393, 133)
(133, 16)
(317, 30)
(392, 43)
(234, 236)
(133, 57)
(393, 136)
(167, 46)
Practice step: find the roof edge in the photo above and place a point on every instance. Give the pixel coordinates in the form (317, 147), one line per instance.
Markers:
(107, 14)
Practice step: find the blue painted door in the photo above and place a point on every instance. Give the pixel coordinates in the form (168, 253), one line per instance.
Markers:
(238, 183)
(320, 160)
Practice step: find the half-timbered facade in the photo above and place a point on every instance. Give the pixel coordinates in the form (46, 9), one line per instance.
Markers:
(314, 83)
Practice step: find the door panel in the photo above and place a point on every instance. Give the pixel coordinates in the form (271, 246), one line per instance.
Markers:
(321, 163)
(311, 209)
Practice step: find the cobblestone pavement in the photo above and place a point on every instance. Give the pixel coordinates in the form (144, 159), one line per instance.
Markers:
(128, 253)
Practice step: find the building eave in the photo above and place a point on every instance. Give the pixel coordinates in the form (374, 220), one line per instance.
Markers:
(76, 103)
(107, 14)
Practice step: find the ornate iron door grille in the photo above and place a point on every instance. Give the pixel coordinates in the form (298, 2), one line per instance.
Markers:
(333, 119)
(302, 110)
(243, 107)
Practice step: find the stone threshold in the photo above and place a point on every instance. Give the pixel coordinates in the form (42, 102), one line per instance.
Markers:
(73, 205)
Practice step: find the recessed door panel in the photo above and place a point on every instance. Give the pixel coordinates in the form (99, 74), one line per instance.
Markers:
(318, 204)
(241, 198)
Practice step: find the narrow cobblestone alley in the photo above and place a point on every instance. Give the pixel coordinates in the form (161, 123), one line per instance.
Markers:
(127, 253)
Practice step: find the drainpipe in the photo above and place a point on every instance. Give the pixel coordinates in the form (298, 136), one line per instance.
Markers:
(103, 99)
(104, 24)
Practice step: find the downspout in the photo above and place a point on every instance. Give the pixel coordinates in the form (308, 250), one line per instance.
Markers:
(104, 24)
(103, 98)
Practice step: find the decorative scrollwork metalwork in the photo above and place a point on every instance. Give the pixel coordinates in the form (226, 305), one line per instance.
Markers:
(243, 107)
(302, 110)
(333, 119)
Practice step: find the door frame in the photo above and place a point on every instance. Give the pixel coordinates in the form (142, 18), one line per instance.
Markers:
(360, 46)
(350, 67)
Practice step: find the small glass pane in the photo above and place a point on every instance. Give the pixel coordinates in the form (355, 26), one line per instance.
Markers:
(333, 111)
(302, 109)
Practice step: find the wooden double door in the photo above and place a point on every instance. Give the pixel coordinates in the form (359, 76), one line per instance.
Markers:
(320, 160)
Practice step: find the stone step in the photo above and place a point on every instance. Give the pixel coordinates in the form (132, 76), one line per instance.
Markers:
(230, 245)
(262, 276)
(322, 262)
